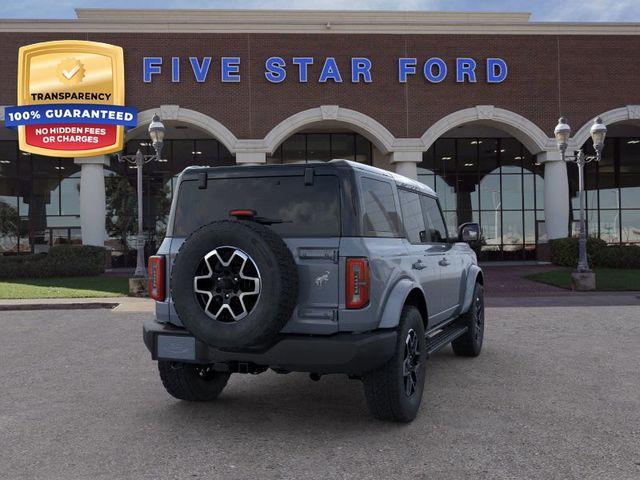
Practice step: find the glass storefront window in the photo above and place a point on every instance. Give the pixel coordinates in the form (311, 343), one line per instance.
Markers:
(276, 156)
(446, 193)
(294, 149)
(491, 180)
(364, 149)
(466, 160)
(319, 147)
(630, 223)
(630, 190)
(206, 152)
(487, 159)
(511, 155)
(467, 192)
(445, 156)
(44, 166)
(529, 191)
(181, 156)
(303, 147)
(612, 189)
(45, 197)
(8, 159)
(425, 176)
(610, 226)
(491, 228)
(428, 162)
(70, 196)
(530, 228)
(512, 192)
(490, 193)
(343, 146)
(512, 229)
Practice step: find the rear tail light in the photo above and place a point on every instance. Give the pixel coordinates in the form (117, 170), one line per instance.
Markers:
(156, 278)
(357, 282)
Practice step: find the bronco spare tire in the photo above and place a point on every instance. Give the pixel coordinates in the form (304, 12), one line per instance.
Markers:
(234, 284)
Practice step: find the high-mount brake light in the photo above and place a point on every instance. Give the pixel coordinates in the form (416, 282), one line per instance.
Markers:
(357, 283)
(156, 278)
(242, 213)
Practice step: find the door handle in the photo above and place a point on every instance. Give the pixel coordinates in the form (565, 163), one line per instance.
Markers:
(444, 262)
(418, 265)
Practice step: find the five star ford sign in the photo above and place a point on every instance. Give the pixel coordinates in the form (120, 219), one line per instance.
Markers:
(70, 99)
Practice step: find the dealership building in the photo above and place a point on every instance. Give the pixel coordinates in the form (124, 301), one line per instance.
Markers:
(464, 102)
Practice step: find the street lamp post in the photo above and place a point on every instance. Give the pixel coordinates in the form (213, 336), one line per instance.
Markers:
(156, 133)
(598, 132)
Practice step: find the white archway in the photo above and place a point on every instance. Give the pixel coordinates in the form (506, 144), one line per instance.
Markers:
(382, 138)
(197, 119)
(622, 114)
(527, 132)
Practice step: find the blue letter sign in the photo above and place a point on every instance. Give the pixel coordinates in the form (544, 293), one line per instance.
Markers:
(323, 70)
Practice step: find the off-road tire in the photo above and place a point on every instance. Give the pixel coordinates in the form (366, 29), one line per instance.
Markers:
(278, 290)
(470, 344)
(385, 388)
(193, 383)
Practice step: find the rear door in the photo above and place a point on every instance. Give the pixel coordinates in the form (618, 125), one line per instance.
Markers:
(440, 251)
(303, 209)
(423, 264)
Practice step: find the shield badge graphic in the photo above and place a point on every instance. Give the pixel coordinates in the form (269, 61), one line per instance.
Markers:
(70, 99)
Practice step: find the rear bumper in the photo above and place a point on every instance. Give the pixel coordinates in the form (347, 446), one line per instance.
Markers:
(341, 353)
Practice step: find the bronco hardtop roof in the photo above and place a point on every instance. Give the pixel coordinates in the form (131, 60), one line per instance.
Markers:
(319, 167)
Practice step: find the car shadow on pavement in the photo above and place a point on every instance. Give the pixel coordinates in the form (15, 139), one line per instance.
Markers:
(273, 403)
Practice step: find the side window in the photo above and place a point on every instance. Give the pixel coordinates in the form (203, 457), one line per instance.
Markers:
(412, 216)
(380, 215)
(436, 229)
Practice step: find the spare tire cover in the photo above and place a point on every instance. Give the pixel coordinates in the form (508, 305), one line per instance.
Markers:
(234, 284)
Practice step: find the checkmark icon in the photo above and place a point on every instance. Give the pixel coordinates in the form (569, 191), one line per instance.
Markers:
(71, 73)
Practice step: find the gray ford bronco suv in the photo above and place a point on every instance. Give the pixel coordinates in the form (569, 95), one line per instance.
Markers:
(323, 268)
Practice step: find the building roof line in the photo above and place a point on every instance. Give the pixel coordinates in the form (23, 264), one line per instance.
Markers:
(268, 15)
(311, 22)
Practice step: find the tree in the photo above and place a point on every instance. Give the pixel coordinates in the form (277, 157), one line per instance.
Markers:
(9, 222)
(121, 209)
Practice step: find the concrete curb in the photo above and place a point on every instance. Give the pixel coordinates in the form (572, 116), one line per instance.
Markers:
(57, 306)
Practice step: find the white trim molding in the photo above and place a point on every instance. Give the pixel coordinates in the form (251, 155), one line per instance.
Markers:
(373, 130)
(192, 117)
(312, 21)
(531, 136)
(622, 114)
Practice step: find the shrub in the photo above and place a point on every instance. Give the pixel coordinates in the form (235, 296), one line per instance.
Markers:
(61, 261)
(564, 252)
(618, 256)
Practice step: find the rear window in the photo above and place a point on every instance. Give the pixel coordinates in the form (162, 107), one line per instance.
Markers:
(380, 215)
(302, 210)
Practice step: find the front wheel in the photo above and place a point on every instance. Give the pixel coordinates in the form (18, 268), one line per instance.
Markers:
(470, 344)
(194, 383)
(394, 391)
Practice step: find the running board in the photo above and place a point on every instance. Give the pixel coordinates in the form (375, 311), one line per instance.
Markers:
(444, 338)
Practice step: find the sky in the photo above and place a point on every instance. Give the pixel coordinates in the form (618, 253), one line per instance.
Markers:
(542, 10)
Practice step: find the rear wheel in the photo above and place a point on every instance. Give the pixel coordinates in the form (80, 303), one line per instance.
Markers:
(195, 383)
(470, 344)
(394, 391)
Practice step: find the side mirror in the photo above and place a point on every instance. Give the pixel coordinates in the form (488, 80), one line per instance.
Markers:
(469, 232)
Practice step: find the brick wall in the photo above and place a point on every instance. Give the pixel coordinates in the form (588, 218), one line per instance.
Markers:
(578, 76)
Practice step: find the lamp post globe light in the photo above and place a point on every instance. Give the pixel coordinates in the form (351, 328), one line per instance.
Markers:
(583, 278)
(156, 133)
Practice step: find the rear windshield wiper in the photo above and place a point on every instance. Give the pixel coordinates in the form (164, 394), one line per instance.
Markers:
(246, 214)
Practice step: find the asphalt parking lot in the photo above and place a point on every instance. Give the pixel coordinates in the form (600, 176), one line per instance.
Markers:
(555, 394)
